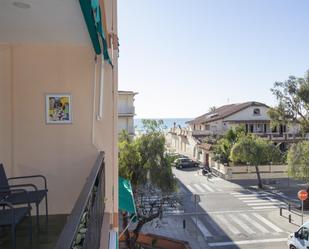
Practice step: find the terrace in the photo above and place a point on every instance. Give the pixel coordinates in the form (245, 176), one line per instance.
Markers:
(62, 231)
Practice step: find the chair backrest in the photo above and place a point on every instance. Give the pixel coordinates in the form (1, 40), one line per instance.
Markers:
(3, 181)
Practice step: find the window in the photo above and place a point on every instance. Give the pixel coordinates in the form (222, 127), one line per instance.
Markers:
(256, 111)
(207, 127)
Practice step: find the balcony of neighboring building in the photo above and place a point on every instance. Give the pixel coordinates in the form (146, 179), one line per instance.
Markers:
(126, 111)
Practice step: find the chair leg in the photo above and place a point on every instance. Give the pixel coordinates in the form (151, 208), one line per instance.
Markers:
(30, 226)
(13, 233)
(46, 210)
(37, 216)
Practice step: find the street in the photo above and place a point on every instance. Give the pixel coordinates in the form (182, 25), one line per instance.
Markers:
(232, 216)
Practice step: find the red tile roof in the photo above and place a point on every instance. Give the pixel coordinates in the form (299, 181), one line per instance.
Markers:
(224, 111)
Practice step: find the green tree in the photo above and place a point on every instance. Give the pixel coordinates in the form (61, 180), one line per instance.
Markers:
(222, 149)
(293, 102)
(298, 163)
(255, 151)
(144, 162)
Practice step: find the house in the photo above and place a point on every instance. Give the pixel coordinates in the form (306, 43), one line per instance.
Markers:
(251, 115)
(58, 99)
(126, 112)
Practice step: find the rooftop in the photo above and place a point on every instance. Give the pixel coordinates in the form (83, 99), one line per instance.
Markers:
(224, 111)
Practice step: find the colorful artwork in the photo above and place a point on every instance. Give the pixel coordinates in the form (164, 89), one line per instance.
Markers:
(58, 108)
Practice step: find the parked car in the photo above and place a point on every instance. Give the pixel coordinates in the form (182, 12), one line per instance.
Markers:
(299, 239)
(185, 162)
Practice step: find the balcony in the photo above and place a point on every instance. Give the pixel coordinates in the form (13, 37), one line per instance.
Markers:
(80, 229)
(83, 228)
(281, 137)
(128, 111)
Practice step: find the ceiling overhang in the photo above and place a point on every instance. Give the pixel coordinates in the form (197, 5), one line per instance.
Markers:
(42, 21)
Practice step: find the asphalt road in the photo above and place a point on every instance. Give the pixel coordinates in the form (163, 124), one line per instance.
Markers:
(231, 216)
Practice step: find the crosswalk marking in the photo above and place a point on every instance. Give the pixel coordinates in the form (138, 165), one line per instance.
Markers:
(201, 227)
(202, 188)
(252, 198)
(251, 195)
(267, 207)
(227, 224)
(241, 224)
(236, 224)
(199, 188)
(258, 200)
(264, 204)
(246, 242)
(267, 222)
(207, 187)
(254, 223)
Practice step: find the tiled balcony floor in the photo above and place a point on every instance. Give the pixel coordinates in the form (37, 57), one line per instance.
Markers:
(44, 239)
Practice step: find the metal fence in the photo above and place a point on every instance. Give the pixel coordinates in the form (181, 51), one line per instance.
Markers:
(83, 228)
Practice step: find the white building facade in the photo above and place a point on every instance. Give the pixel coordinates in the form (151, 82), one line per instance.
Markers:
(252, 116)
(126, 111)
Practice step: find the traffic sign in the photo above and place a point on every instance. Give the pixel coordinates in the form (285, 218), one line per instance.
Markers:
(302, 195)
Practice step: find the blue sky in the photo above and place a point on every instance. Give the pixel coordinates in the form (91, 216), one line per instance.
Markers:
(183, 57)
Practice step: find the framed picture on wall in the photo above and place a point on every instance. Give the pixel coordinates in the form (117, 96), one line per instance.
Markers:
(58, 108)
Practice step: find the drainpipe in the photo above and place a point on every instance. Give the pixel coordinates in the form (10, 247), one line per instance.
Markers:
(101, 93)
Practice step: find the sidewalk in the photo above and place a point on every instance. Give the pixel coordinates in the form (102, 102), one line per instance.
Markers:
(283, 220)
(172, 226)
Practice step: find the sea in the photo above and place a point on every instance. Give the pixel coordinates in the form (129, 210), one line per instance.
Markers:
(167, 122)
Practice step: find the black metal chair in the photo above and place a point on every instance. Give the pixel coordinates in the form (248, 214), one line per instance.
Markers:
(34, 196)
(12, 216)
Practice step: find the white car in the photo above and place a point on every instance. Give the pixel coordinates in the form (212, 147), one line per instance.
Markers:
(300, 239)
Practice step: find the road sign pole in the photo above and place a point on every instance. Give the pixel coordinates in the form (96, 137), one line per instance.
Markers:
(196, 215)
(302, 212)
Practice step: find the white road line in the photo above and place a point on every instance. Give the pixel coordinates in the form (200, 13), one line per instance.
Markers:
(236, 193)
(228, 225)
(199, 188)
(248, 198)
(241, 224)
(192, 190)
(246, 242)
(268, 207)
(258, 200)
(254, 223)
(207, 187)
(201, 227)
(251, 195)
(265, 204)
(268, 223)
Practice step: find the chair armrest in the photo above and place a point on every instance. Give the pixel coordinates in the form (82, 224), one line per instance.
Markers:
(31, 176)
(14, 190)
(20, 185)
(5, 203)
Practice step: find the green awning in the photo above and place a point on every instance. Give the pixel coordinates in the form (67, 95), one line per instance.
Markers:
(92, 15)
(126, 199)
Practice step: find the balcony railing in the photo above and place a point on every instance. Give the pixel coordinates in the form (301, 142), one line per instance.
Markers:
(83, 228)
(281, 136)
(127, 111)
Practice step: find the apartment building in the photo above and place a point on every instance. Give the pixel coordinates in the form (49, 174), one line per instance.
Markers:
(126, 112)
(251, 115)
